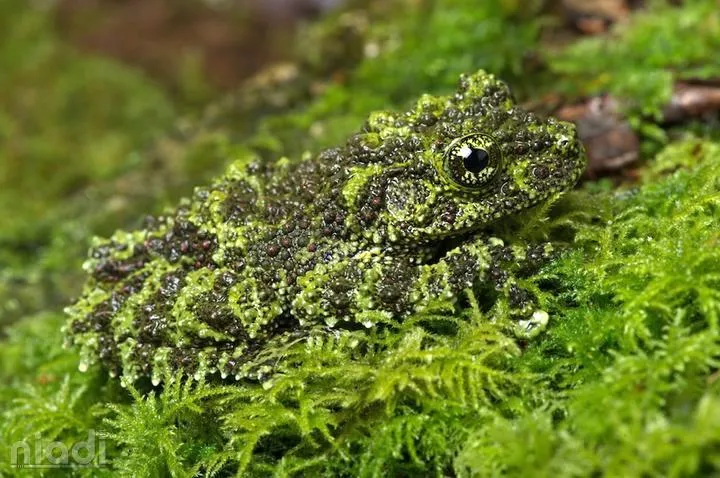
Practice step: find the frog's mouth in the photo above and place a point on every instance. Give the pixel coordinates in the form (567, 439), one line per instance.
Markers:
(506, 227)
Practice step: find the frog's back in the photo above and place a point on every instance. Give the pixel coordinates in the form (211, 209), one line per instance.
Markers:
(217, 274)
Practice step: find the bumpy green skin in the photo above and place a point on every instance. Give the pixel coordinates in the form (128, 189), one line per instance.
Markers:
(377, 228)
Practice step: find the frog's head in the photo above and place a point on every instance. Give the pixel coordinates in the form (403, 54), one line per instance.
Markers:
(457, 163)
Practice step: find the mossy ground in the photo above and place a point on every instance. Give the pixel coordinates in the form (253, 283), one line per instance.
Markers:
(623, 383)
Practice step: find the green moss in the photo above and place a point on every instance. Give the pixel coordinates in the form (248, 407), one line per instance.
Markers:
(623, 383)
(40, 385)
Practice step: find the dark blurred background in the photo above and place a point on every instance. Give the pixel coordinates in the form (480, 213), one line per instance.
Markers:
(228, 40)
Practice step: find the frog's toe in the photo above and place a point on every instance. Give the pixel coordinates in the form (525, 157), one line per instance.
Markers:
(533, 325)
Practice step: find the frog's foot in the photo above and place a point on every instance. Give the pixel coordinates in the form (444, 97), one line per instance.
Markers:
(511, 266)
(486, 263)
(521, 306)
(533, 325)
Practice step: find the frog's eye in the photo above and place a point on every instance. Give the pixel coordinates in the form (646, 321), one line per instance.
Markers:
(472, 161)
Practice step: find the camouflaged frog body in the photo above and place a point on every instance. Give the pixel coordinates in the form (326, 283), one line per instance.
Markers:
(377, 228)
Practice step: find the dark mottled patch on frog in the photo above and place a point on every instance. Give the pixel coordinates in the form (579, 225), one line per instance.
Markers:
(187, 243)
(449, 213)
(110, 270)
(99, 320)
(212, 308)
(463, 270)
(150, 319)
(186, 358)
(338, 291)
(184, 241)
(485, 108)
(240, 203)
(392, 290)
(390, 151)
(333, 221)
(535, 257)
(304, 183)
(372, 200)
(297, 245)
(519, 298)
(234, 259)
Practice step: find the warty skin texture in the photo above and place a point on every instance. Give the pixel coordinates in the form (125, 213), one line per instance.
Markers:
(379, 227)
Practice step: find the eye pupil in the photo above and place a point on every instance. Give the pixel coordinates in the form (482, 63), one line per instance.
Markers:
(475, 159)
(472, 162)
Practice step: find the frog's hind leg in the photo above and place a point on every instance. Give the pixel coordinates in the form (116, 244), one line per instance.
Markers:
(362, 290)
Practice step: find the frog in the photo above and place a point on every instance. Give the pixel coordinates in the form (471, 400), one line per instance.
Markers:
(374, 230)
